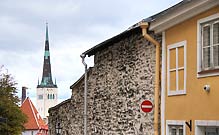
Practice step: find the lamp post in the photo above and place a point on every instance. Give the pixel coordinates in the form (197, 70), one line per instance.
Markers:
(58, 127)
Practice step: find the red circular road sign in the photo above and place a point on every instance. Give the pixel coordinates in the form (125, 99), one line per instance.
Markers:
(146, 106)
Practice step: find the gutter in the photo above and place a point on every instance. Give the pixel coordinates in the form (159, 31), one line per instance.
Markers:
(144, 27)
(85, 93)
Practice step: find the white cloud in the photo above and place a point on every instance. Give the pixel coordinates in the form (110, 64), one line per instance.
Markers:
(74, 27)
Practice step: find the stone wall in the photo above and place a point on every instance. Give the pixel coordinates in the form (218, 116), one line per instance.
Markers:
(70, 116)
(122, 77)
(70, 112)
(60, 113)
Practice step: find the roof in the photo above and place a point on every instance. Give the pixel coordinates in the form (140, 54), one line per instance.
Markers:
(134, 28)
(34, 119)
(162, 20)
(60, 104)
(112, 40)
(81, 78)
(180, 12)
(162, 13)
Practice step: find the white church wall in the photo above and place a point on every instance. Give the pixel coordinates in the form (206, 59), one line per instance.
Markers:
(30, 132)
(46, 98)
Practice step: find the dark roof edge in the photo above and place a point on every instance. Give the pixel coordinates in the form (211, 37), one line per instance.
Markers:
(60, 104)
(73, 85)
(180, 12)
(153, 17)
(92, 50)
(47, 86)
(103, 44)
(150, 19)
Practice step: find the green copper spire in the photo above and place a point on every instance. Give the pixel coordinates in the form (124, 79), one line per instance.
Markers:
(46, 81)
(47, 34)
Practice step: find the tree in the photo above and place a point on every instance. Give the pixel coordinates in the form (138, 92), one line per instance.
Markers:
(11, 117)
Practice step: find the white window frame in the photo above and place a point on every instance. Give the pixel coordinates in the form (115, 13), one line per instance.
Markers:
(176, 46)
(199, 45)
(175, 123)
(204, 123)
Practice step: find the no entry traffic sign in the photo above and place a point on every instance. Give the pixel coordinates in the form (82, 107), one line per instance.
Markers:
(146, 106)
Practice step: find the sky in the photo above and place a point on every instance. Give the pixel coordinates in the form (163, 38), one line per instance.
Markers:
(74, 27)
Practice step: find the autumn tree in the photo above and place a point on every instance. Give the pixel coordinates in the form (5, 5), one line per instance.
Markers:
(11, 117)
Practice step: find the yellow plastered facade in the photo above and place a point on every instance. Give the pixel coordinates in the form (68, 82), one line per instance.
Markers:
(195, 104)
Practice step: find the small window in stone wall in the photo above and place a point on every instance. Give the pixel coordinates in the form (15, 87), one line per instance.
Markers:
(176, 68)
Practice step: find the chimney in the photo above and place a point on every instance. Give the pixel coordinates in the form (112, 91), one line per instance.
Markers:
(23, 94)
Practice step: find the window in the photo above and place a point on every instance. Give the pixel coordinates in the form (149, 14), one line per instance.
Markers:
(175, 130)
(212, 131)
(175, 127)
(50, 96)
(206, 127)
(40, 96)
(176, 68)
(208, 46)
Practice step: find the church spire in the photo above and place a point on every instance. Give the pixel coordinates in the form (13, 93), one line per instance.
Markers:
(47, 34)
(46, 81)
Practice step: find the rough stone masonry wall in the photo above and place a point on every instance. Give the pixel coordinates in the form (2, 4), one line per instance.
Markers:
(122, 77)
(61, 113)
(70, 112)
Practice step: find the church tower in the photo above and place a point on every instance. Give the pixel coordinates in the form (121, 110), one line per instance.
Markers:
(47, 91)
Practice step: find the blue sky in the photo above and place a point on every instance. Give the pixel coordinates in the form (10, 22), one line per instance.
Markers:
(74, 27)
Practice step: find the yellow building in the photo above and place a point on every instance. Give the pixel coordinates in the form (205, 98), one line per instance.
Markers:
(190, 68)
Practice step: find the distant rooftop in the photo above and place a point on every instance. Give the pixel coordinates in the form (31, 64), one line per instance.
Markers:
(35, 122)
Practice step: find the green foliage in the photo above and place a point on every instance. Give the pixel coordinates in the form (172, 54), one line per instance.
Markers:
(11, 117)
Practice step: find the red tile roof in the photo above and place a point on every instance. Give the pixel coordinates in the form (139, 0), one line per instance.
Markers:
(34, 119)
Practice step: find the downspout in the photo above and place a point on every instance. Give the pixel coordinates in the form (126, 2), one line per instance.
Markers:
(85, 93)
(144, 27)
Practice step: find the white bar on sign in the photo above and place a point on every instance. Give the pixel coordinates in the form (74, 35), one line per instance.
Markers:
(146, 106)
